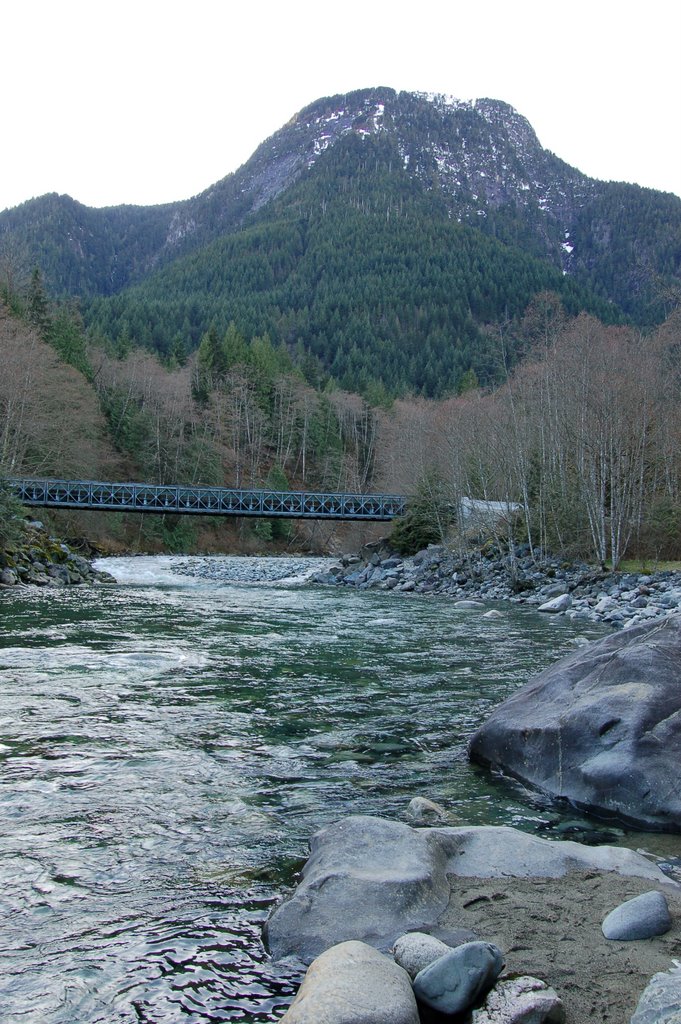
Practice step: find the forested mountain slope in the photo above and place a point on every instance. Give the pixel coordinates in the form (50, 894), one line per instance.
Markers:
(235, 415)
(380, 233)
(350, 266)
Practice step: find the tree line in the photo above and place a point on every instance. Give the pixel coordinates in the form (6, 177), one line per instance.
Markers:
(584, 436)
(237, 413)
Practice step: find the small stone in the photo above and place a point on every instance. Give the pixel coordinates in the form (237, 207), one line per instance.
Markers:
(352, 983)
(417, 950)
(105, 577)
(38, 579)
(521, 1001)
(457, 980)
(641, 918)
(8, 578)
(555, 590)
(422, 811)
(468, 604)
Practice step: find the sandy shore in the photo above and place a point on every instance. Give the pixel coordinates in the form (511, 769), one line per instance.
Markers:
(550, 928)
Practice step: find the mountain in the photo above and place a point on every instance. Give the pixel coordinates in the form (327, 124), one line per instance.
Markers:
(381, 233)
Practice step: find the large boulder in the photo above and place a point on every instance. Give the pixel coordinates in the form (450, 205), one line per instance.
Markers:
(499, 851)
(373, 880)
(600, 729)
(367, 879)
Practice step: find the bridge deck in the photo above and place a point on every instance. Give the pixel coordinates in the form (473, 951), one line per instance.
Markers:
(206, 501)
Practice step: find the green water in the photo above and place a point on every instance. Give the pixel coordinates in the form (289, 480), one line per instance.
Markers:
(167, 747)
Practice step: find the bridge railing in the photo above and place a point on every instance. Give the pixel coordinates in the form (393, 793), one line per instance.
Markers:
(223, 501)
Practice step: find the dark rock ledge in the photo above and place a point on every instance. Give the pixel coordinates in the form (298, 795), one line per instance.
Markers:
(40, 560)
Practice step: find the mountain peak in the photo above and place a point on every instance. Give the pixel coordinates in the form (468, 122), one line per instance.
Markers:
(473, 162)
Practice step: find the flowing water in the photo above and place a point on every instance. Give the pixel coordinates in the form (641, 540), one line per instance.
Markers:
(168, 745)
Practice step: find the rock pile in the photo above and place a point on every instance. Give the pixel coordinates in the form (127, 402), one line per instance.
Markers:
(381, 900)
(43, 561)
(578, 590)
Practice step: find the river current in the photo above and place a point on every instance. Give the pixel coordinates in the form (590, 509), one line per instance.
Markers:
(169, 744)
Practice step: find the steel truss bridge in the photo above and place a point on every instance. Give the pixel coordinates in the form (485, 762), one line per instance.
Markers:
(205, 501)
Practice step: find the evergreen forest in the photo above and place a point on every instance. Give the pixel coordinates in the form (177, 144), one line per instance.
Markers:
(393, 294)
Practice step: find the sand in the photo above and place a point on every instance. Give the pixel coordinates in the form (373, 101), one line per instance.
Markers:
(551, 929)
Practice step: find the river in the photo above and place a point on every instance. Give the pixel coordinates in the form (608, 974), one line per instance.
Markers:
(168, 745)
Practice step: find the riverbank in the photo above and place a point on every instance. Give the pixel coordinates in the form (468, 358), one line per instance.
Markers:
(543, 904)
(577, 591)
(36, 558)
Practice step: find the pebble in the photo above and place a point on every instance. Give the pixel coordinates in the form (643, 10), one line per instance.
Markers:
(458, 979)
(416, 950)
(422, 811)
(556, 604)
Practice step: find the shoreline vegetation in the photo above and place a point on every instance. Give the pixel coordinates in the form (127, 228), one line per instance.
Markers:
(583, 451)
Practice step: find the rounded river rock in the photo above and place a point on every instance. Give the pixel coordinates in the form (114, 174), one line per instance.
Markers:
(641, 918)
(455, 982)
(353, 983)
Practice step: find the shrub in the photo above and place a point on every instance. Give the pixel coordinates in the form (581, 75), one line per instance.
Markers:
(427, 519)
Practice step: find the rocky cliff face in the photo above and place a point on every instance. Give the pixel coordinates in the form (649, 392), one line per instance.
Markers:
(478, 156)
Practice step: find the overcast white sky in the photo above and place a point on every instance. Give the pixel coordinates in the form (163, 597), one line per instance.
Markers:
(154, 100)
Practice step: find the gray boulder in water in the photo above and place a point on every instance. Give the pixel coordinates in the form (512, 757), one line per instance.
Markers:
(601, 728)
(366, 879)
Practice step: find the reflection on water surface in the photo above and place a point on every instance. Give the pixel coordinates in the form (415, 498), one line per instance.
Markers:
(168, 745)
